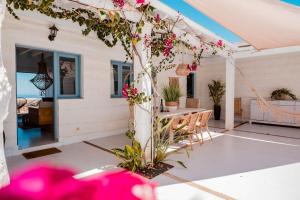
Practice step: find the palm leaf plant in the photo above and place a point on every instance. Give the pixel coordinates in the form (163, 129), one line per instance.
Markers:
(161, 140)
(132, 156)
(216, 92)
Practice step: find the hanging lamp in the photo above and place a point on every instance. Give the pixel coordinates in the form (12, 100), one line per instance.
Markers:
(182, 69)
(42, 80)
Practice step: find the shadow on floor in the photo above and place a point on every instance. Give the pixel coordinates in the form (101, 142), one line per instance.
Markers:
(237, 152)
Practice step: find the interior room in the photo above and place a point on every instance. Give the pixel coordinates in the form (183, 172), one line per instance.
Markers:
(35, 97)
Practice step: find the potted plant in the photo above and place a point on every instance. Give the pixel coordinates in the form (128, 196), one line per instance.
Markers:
(216, 92)
(171, 95)
(282, 94)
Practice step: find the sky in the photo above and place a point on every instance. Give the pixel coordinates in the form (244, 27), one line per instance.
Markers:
(205, 21)
(25, 88)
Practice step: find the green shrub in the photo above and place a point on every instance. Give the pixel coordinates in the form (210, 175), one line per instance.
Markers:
(281, 94)
(132, 156)
(216, 91)
(171, 93)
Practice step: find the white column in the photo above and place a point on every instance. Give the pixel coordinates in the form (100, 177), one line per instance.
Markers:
(230, 86)
(143, 117)
(5, 92)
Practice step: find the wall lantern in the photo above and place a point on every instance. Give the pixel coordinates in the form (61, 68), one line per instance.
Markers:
(53, 33)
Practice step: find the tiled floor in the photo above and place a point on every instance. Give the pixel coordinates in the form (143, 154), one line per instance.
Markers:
(35, 137)
(220, 124)
(243, 164)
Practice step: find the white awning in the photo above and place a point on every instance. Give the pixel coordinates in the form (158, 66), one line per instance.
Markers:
(264, 24)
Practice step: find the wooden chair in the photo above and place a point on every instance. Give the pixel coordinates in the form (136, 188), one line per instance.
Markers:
(173, 128)
(202, 123)
(238, 110)
(190, 129)
(178, 125)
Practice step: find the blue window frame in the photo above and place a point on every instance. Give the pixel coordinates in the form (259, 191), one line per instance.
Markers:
(67, 70)
(121, 74)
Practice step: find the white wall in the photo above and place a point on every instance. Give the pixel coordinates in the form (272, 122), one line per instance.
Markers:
(266, 73)
(96, 114)
(163, 77)
(210, 69)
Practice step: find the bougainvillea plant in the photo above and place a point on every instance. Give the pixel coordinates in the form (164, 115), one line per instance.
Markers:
(133, 96)
(193, 66)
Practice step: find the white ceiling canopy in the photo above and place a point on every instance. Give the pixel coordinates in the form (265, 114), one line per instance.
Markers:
(264, 24)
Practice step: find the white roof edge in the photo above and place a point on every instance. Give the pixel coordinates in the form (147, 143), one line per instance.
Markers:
(267, 52)
(170, 11)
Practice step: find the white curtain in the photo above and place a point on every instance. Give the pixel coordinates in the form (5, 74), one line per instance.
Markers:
(5, 92)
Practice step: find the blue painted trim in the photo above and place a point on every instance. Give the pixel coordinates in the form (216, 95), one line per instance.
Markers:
(55, 94)
(57, 56)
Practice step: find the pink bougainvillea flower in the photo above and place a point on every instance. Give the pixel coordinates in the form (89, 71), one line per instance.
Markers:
(125, 93)
(134, 91)
(169, 44)
(119, 3)
(193, 66)
(41, 182)
(147, 40)
(125, 90)
(166, 52)
(173, 36)
(157, 18)
(220, 43)
(127, 186)
(194, 48)
(50, 183)
(140, 1)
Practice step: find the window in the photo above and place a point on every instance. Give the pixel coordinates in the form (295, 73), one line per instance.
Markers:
(68, 75)
(121, 74)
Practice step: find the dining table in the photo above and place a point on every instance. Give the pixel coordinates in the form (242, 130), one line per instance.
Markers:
(176, 113)
(180, 111)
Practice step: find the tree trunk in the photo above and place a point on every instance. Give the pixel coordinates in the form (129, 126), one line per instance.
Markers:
(5, 92)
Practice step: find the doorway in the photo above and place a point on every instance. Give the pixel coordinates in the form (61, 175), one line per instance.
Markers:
(35, 97)
(190, 85)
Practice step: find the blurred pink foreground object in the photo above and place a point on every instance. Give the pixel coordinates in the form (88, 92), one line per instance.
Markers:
(46, 182)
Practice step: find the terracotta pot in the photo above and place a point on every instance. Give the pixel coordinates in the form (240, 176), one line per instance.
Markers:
(172, 106)
(172, 103)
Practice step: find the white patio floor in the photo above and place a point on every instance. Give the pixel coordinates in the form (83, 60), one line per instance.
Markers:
(251, 162)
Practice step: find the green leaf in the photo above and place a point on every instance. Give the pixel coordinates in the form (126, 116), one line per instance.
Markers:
(102, 15)
(118, 150)
(129, 150)
(181, 163)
